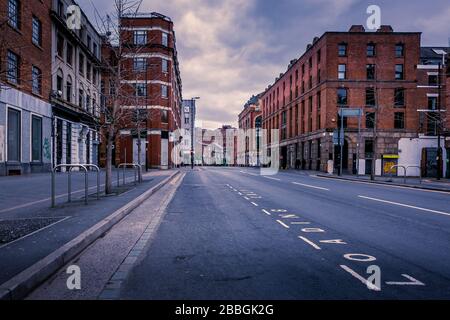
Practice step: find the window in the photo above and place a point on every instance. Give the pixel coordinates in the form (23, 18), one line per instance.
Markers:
(94, 76)
(399, 50)
(433, 80)
(342, 72)
(165, 39)
(164, 91)
(13, 67)
(399, 74)
(69, 54)
(371, 51)
(61, 12)
(81, 98)
(399, 120)
(14, 13)
(165, 66)
(139, 64)
(319, 56)
(186, 120)
(140, 89)
(370, 120)
(60, 45)
(342, 50)
(399, 97)
(319, 76)
(164, 116)
(432, 103)
(36, 139)
(89, 41)
(370, 97)
(69, 143)
(69, 89)
(36, 79)
(59, 81)
(81, 64)
(95, 50)
(370, 72)
(342, 98)
(140, 37)
(310, 63)
(14, 135)
(88, 71)
(88, 102)
(36, 34)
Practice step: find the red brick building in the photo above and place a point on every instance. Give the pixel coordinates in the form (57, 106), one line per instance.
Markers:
(375, 71)
(25, 87)
(250, 119)
(153, 90)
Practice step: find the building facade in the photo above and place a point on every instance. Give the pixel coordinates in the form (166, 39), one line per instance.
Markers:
(250, 123)
(371, 71)
(152, 86)
(25, 73)
(75, 97)
(188, 126)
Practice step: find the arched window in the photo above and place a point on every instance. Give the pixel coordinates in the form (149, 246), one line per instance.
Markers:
(59, 83)
(69, 89)
(81, 97)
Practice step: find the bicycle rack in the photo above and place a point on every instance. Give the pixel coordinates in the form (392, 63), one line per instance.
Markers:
(137, 175)
(405, 170)
(70, 167)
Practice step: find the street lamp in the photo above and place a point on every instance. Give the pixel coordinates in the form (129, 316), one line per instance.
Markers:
(193, 112)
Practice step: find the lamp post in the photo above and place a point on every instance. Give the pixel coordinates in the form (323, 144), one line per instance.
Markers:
(193, 112)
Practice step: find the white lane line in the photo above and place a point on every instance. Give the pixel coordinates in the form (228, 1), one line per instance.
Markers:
(255, 204)
(383, 185)
(312, 244)
(369, 285)
(35, 232)
(276, 179)
(266, 212)
(406, 206)
(240, 193)
(246, 198)
(414, 282)
(283, 224)
(310, 186)
(300, 223)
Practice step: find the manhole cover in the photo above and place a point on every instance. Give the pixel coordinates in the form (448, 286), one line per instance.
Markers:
(11, 230)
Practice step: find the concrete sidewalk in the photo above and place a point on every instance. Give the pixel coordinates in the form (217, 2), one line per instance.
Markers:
(48, 230)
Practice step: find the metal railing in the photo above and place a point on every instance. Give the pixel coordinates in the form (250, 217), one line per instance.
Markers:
(405, 171)
(137, 172)
(70, 167)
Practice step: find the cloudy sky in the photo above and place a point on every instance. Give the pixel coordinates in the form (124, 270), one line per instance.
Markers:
(231, 49)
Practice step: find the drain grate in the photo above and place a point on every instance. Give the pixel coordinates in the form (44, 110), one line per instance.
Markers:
(11, 230)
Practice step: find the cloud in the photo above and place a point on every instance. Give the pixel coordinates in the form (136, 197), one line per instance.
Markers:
(232, 49)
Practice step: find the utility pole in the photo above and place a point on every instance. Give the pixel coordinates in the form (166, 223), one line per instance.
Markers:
(193, 112)
(375, 133)
(438, 126)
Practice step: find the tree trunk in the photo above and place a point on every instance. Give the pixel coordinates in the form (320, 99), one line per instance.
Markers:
(109, 155)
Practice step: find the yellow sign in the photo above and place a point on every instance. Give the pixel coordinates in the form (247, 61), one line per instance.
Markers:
(390, 156)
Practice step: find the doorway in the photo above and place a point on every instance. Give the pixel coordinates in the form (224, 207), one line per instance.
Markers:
(337, 157)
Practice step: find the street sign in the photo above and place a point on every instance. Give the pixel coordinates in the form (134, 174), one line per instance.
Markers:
(345, 112)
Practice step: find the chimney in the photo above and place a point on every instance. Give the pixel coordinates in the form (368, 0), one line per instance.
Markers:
(386, 29)
(357, 28)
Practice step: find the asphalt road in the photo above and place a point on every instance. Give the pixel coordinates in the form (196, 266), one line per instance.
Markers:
(233, 234)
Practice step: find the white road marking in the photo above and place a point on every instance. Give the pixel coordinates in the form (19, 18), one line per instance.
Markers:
(406, 206)
(247, 198)
(266, 212)
(276, 179)
(384, 185)
(369, 285)
(337, 241)
(300, 223)
(278, 210)
(310, 186)
(37, 231)
(288, 216)
(283, 224)
(240, 193)
(360, 257)
(313, 230)
(413, 282)
(312, 244)
(255, 204)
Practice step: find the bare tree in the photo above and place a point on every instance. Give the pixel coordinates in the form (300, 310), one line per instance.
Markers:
(120, 82)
